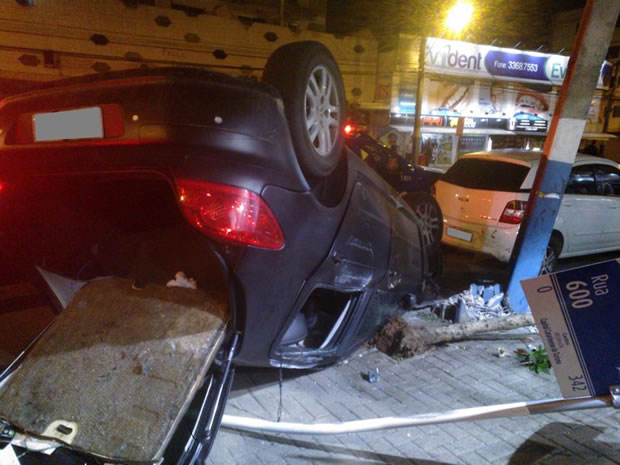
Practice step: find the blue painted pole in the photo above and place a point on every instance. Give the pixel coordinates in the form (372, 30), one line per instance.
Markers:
(589, 50)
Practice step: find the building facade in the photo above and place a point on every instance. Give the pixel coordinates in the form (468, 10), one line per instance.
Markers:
(475, 97)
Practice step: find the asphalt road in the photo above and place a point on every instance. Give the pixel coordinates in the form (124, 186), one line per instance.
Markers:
(461, 268)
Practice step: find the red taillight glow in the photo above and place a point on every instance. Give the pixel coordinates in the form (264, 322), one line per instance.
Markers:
(229, 213)
(513, 212)
(347, 129)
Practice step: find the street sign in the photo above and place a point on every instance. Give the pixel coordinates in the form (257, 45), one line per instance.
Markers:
(577, 313)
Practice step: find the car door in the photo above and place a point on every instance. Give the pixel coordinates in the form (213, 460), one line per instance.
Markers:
(608, 188)
(581, 217)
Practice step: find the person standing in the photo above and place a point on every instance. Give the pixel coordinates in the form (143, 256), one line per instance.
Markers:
(591, 149)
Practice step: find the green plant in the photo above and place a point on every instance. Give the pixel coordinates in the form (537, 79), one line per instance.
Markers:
(536, 359)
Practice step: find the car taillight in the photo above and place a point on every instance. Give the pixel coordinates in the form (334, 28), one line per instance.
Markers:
(230, 213)
(513, 212)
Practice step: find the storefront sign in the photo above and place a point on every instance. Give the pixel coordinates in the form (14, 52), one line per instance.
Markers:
(529, 122)
(482, 105)
(577, 313)
(484, 61)
(433, 121)
(406, 100)
(469, 122)
(475, 122)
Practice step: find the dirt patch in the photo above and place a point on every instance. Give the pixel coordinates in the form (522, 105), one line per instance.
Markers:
(401, 340)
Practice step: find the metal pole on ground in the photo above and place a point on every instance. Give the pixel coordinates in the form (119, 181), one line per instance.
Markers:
(452, 416)
(589, 50)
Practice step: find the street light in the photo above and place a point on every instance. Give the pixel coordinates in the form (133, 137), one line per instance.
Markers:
(459, 16)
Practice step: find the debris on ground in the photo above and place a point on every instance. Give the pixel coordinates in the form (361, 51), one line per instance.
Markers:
(181, 280)
(372, 376)
(479, 302)
(402, 339)
(481, 308)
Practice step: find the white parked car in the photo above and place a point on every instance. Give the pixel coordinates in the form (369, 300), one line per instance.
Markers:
(483, 198)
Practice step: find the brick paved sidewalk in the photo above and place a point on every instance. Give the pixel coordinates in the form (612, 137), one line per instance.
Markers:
(459, 375)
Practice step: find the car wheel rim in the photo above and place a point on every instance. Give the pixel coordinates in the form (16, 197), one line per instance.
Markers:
(322, 110)
(428, 218)
(548, 261)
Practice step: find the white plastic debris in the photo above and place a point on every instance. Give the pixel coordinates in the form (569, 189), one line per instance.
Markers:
(63, 288)
(181, 280)
(479, 302)
(496, 300)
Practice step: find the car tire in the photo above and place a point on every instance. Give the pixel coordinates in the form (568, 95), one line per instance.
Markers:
(428, 213)
(550, 260)
(311, 86)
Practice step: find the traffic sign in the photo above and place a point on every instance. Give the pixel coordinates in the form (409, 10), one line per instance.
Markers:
(577, 313)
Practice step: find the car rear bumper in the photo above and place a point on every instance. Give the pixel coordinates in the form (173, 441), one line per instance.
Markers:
(488, 239)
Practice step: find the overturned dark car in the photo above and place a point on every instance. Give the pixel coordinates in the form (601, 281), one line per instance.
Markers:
(113, 184)
(416, 185)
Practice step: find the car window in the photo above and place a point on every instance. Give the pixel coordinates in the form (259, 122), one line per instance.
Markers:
(607, 180)
(376, 156)
(581, 181)
(373, 150)
(493, 175)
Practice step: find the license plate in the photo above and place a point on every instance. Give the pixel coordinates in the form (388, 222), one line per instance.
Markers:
(463, 235)
(85, 123)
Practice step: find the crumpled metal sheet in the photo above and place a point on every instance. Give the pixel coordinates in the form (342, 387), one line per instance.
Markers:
(479, 302)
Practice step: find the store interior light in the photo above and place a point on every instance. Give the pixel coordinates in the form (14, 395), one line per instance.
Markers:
(459, 16)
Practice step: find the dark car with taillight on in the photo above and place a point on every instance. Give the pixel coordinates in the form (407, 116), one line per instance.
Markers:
(288, 250)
